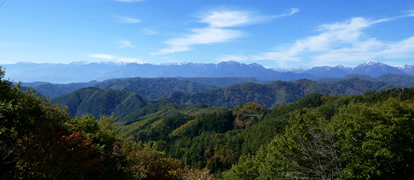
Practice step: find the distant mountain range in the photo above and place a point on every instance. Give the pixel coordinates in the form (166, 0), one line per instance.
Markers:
(119, 98)
(82, 72)
(371, 68)
(154, 88)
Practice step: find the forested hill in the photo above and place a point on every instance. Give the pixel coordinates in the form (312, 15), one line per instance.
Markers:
(275, 93)
(120, 103)
(223, 82)
(96, 102)
(150, 88)
(288, 141)
(55, 90)
(153, 88)
(317, 137)
(405, 80)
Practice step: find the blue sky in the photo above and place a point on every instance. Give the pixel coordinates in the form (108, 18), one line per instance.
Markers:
(273, 33)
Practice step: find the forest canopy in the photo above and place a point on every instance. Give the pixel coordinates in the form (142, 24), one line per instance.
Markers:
(317, 137)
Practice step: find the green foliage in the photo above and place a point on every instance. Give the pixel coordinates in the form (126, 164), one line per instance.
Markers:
(375, 141)
(405, 80)
(153, 88)
(315, 137)
(39, 140)
(365, 138)
(274, 94)
(223, 82)
(97, 102)
(55, 90)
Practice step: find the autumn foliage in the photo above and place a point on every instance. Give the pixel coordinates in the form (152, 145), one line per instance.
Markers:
(51, 154)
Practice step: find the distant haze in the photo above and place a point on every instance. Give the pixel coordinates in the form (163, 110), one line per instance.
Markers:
(84, 72)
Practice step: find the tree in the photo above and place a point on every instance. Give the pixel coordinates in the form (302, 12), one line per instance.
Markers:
(56, 155)
(305, 150)
(22, 115)
(376, 141)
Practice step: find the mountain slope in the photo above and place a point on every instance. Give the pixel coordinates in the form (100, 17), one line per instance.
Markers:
(326, 71)
(275, 93)
(223, 69)
(98, 102)
(54, 90)
(405, 80)
(376, 69)
(81, 72)
(409, 69)
(222, 82)
(153, 88)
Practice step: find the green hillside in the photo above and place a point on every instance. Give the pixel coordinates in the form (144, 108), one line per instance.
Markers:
(405, 80)
(274, 94)
(55, 90)
(318, 136)
(223, 82)
(153, 88)
(96, 102)
(219, 138)
(126, 105)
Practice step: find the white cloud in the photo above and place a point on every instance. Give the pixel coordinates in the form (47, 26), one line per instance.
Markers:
(127, 19)
(172, 49)
(126, 44)
(205, 36)
(115, 58)
(233, 18)
(103, 56)
(218, 22)
(221, 19)
(401, 49)
(199, 36)
(292, 11)
(129, 1)
(339, 42)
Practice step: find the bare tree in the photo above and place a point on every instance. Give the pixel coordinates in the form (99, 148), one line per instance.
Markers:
(317, 156)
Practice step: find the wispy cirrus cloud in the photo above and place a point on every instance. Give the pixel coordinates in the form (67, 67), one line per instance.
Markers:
(124, 43)
(149, 31)
(291, 12)
(229, 18)
(410, 13)
(342, 41)
(205, 36)
(115, 58)
(218, 29)
(127, 19)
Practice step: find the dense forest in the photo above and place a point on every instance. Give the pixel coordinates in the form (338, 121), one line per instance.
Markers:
(322, 134)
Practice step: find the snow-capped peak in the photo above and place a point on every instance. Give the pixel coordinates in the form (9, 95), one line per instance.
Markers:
(371, 63)
(406, 68)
